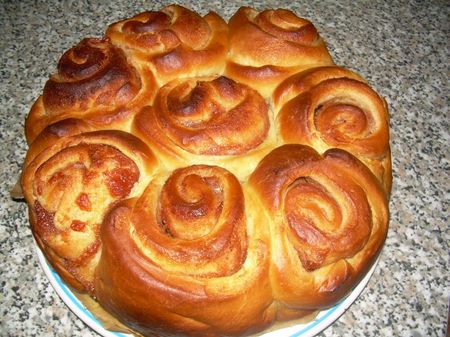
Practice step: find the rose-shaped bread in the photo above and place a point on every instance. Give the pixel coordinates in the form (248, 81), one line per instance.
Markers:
(70, 182)
(267, 47)
(209, 121)
(175, 41)
(188, 257)
(328, 218)
(94, 81)
(199, 178)
(328, 107)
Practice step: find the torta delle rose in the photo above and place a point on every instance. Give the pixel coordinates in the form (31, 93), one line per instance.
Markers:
(208, 178)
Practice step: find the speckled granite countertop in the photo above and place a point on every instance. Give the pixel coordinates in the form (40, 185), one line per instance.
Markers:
(402, 48)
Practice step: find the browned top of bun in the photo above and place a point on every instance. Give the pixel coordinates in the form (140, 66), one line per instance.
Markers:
(176, 42)
(332, 107)
(268, 46)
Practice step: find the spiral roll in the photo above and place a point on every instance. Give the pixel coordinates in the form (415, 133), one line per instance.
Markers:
(332, 107)
(94, 81)
(328, 217)
(176, 41)
(268, 46)
(196, 257)
(205, 120)
(69, 187)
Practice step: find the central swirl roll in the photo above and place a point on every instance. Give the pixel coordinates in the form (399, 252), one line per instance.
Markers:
(191, 248)
(204, 118)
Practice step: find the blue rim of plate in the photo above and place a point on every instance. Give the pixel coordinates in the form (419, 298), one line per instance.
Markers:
(323, 320)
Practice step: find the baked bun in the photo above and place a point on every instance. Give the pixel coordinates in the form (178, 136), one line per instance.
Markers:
(95, 82)
(268, 46)
(328, 218)
(333, 107)
(70, 184)
(204, 178)
(196, 253)
(207, 121)
(175, 42)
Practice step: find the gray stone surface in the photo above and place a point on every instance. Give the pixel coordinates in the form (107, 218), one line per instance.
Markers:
(401, 47)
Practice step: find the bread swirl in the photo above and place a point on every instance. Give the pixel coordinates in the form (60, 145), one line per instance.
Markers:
(70, 184)
(327, 217)
(94, 82)
(204, 178)
(196, 255)
(175, 42)
(333, 107)
(207, 121)
(268, 46)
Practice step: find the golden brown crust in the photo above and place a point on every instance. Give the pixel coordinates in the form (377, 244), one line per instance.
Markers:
(175, 41)
(196, 257)
(332, 107)
(268, 46)
(205, 120)
(328, 218)
(71, 183)
(212, 116)
(94, 81)
(94, 72)
(53, 132)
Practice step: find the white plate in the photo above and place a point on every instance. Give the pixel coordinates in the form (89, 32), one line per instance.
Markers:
(322, 321)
